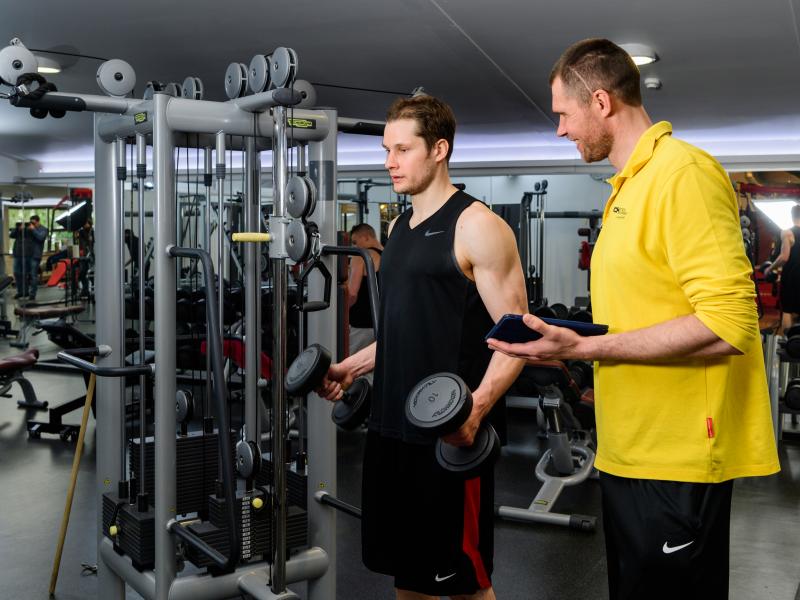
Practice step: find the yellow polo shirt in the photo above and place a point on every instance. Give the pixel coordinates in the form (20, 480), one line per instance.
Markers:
(670, 246)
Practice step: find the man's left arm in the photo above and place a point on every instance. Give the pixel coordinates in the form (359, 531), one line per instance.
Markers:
(704, 249)
(488, 244)
(40, 233)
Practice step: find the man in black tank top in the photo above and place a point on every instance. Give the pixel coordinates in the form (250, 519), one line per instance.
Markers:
(450, 270)
(361, 333)
(789, 259)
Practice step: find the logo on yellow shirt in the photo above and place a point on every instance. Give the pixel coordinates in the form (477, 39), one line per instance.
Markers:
(620, 212)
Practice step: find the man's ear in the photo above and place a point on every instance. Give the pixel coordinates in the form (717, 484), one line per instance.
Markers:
(603, 102)
(440, 150)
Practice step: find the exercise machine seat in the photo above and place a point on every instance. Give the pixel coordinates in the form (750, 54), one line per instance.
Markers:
(48, 312)
(234, 349)
(20, 361)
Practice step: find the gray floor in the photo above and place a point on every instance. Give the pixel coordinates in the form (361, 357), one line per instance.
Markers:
(531, 562)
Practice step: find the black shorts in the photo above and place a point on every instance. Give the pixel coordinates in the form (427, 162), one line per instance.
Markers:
(666, 539)
(432, 530)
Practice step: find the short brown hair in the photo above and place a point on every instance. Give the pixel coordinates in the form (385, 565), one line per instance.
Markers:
(363, 229)
(598, 64)
(435, 119)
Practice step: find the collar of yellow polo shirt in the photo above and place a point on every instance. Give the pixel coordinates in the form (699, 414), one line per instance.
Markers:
(642, 153)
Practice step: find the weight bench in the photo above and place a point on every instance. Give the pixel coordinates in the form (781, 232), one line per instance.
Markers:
(30, 316)
(12, 370)
(569, 416)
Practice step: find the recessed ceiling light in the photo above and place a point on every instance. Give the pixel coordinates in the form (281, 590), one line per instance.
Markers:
(641, 54)
(47, 65)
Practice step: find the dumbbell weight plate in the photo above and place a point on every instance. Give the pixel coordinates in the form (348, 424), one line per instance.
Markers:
(791, 397)
(468, 461)
(560, 310)
(353, 408)
(307, 370)
(439, 404)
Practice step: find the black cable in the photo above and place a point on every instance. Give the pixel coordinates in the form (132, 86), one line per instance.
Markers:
(360, 89)
(68, 54)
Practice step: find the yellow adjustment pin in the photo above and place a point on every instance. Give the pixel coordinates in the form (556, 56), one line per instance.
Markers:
(248, 236)
(113, 531)
(258, 503)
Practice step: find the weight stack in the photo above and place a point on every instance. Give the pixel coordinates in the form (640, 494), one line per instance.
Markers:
(197, 460)
(296, 483)
(136, 531)
(259, 530)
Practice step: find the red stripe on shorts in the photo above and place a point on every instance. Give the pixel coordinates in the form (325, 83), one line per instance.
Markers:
(469, 544)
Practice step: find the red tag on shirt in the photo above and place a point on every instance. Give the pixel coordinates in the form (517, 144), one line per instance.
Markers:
(710, 427)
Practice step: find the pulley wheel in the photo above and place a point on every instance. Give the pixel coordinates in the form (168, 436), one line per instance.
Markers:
(283, 67)
(235, 80)
(300, 196)
(258, 79)
(193, 88)
(116, 78)
(298, 241)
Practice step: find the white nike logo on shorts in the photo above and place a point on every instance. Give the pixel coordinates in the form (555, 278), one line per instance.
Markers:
(667, 549)
(438, 579)
(429, 233)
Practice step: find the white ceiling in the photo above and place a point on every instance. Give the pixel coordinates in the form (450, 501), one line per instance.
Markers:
(729, 67)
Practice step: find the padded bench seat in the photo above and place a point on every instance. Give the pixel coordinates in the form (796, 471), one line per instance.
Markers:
(20, 361)
(48, 312)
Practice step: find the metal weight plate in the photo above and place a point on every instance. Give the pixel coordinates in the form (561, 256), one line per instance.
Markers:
(439, 404)
(184, 404)
(258, 79)
(283, 67)
(307, 370)
(301, 197)
(235, 80)
(116, 78)
(468, 461)
(307, 91)
(15, 60)
(193, 88)
(560, 310)
(352, 410)
(298, 242)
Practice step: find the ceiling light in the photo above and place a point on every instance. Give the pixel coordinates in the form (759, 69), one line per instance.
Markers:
(47, 65)
(641, 54)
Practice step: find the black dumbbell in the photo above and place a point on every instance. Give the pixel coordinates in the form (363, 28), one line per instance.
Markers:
(440, 404)
(561, 311)
(791, 397)
(582, 373)
(306, 373)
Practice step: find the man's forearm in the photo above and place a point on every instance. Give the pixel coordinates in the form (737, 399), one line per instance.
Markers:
(502, 371)
(682, 337)
(361, 362)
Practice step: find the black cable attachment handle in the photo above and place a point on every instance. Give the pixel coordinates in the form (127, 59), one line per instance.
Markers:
(314, 305)
(372, 277)
(220, 393)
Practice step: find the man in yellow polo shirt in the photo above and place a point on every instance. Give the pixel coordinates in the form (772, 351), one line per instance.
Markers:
(681, 396)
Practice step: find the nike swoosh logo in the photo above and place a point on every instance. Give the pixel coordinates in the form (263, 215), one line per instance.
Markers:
(667, 549)
(437, 578)
(429, 233)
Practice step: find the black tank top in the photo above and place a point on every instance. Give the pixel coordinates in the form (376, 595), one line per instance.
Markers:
(360, 314)
(790, 274)
(431, 317)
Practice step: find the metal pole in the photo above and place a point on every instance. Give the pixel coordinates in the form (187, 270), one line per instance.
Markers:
(165, 232)
(279, 179)
(221, 228)
(119, 198)
(322, 329)
(207, 180)
(252, 292)
(109, 396)
(141, 173)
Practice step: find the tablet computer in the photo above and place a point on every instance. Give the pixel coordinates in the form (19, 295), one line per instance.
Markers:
(511, 329)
